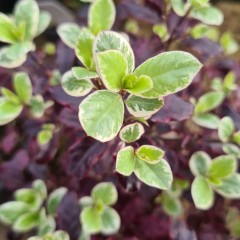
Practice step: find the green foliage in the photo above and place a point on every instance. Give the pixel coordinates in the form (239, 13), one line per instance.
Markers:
(147, 164)
(27, 211)
(228, 43)
(58, 235)
(97, 216)
(45, 135)
(162, 31)
(233, 222)
(217, 175)
(225, 129)
(20, 30)
(131, 133)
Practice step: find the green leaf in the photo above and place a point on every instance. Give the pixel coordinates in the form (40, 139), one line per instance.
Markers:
(231, 149)
(143, 107)
(179, 7)
(37, 106)
(91, 220)
(10, 96)
(101, 115)
(149, 154)
(83, 73)
(30, 197)
(131, 132)
(222, 166)
(23, 86)
(105, 192)
(44, 137)
(208, 15)
(86, 201)
(69, 33)
(26, 222)
(125, 161)
(111, 66)
(84, 48)
(202, 193)
(11, 211)
(48, 226)
(171, 205)
(55, 199)
(157, 175)
(143, 84)
(225, 129)
(208, 102)
(110, 221)
(162, 31)
(228, 43)
(199, 3)
(27, 12)
(236, 137)
(199, 163)
(230, 187)
(229, 82)
(101, 15)
(8, 111)
(40, 187)
(8, 29)
(207, 120)
(15, 55)
(169, 71)
(44, 21)
(60, 235)
(109, 40)
(76, 87)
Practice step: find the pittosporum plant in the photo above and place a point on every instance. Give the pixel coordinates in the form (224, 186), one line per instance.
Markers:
(19, 31)
(131, 114)
(33, 208)
(97, 215)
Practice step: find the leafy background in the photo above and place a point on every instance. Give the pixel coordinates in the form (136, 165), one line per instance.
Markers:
(78, 162)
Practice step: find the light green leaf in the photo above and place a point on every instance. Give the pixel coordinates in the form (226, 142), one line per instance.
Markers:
(15, 55)
(48, 226)
(101, 15)
(236, 137)
(225, 129)
(30, 197)
(199, 3)
(23, 86)
(110, 221)
(143, 107)
(179, 7)
(40, 187)
(143, 84)
(162, 31)
(207, 120)
(26, 222)
(91, 220)
(228, 43)
(202, 193)
(199, 163)
(157, 175)
(231, 149)
(208, 102)
(8, 111)
(86, 201)
(84, 48)
(83, 73)
(27, 12)
(171, 205)
(109, 40)
(229, 82)
(125, 161)
(55, 199)
(105, 192)
(131, 132)
(69, 33)
(101, 115)
(76, 87)
(37, 106)
(149, 154)
(222, 166)
(111, 66)
(8, 29)
(230, 187)
(10, 96)
(169, 71)
(44, 137)
(44, 21)
(208, 15)
(10, 211)
(60, 235)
